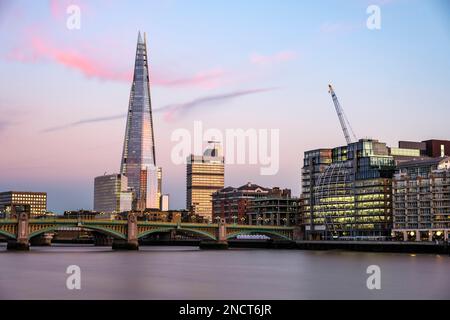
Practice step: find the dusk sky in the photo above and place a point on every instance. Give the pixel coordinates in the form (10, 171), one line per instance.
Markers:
(231, 64)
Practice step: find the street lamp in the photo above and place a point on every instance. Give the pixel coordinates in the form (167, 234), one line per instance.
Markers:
(243, 220)
(234, 219)
(217, 218)
(259, 219)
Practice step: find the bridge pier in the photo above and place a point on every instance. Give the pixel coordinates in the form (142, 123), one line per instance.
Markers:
(21, 243)
(131, 243)
(125, 245)
(15, 245)
(221, 243)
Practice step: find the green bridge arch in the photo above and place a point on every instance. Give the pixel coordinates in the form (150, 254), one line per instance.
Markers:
(8, 235)
(100, 229)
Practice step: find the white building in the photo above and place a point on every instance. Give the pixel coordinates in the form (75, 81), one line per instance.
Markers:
(111, 194)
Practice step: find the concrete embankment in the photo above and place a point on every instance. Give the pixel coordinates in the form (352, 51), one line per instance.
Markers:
(375, 246)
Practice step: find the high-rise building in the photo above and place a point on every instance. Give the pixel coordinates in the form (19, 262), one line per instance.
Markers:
(138, 159)
(35, 201)
(421, 198)
(204, 176)
(351, 197)
(111, 194)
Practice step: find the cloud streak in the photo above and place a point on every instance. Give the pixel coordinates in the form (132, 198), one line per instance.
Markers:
(276, 58)
(173, 111)
(83, 122)
(42, 48)
(207, 79)
(170, 112)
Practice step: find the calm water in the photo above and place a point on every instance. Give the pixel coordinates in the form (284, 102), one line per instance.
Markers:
(188, 273)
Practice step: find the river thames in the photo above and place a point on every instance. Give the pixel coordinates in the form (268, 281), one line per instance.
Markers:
(189, 273)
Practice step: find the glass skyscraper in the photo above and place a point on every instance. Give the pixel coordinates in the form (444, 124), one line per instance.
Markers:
(138, 159)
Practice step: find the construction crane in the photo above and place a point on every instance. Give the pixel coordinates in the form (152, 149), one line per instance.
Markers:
(345, 124)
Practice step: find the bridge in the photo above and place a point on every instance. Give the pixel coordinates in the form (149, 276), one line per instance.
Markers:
(126, 233)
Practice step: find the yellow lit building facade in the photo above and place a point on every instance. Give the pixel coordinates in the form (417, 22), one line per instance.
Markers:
(204, 176)
(37, 201)
(351, 197)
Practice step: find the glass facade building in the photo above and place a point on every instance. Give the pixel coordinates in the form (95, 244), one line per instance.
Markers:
(111, 194)
(350, 197)
(138, 159)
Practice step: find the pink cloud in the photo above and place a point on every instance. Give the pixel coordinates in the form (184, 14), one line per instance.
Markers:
(206, 79)
(278, 57)
(43, 49)
(85, 61)
(55, 8)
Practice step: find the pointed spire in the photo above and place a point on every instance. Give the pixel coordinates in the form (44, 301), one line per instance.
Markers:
(140, 40)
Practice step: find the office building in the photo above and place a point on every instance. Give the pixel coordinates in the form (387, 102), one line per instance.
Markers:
(138, 159)
(421, 200)
(204, 176)
(33, 202)
(350, 198)
(314, 164)
(111, 194)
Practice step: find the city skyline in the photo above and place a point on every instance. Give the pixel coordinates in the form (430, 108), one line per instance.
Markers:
(64, 133)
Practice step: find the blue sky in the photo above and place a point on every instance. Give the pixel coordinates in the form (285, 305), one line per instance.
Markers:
(393, 83)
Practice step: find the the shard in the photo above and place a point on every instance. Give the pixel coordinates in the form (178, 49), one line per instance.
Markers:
(138, 158)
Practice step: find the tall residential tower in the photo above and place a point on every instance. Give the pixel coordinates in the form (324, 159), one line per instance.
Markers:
(138, 159)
